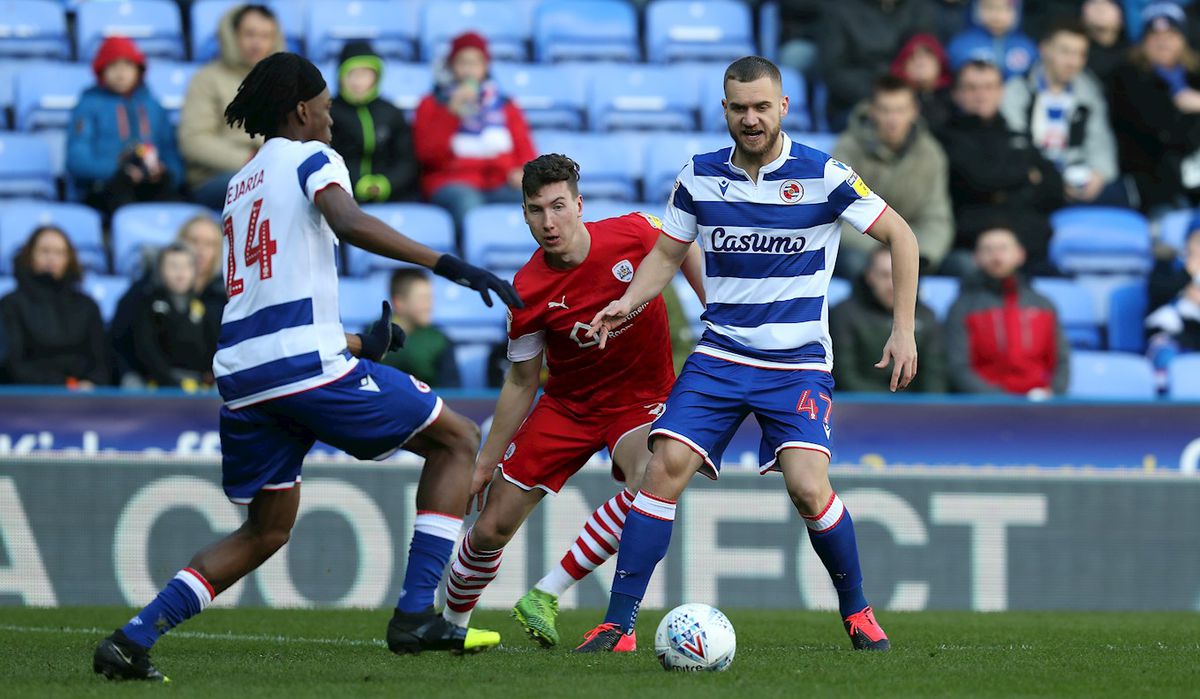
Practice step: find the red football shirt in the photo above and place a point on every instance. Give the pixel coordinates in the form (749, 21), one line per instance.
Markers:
(635, 367)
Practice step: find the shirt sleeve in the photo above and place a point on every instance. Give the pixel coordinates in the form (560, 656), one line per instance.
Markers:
(648, 227)
(680, 219)
(850, 197)
(525, 341)
(322, 169)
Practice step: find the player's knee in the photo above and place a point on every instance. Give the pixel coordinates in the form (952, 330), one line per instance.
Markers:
(809, 495)
(489, 534)
(268, 540)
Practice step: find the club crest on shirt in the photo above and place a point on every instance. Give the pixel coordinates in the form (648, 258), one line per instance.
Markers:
(623, 271)
(791, 191)
(858, 185)
(421, 385)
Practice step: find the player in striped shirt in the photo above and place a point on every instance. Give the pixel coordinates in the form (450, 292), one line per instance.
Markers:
(766, 213)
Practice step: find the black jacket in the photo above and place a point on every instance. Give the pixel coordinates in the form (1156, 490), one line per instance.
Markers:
(174, 338)
(129, 307)
(53, 333)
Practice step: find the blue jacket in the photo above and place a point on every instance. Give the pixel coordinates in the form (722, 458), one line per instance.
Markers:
(104, 125)
(1014, 53)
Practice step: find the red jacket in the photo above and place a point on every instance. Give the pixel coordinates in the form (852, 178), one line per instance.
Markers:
(434, 127)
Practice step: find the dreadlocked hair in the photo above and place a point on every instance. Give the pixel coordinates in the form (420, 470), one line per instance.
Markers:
(271, 91)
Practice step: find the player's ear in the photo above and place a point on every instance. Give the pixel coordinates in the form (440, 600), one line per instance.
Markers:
(302, 112)
(783, 106)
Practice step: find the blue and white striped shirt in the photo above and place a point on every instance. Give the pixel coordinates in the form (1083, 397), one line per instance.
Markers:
(769, 250)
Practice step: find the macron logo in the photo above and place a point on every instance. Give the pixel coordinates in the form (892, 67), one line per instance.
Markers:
(724, 185)
(368, 384)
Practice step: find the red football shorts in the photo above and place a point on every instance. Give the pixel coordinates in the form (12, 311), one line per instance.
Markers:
(553, 442)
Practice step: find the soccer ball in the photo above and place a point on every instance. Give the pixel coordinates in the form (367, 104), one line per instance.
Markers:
(695, 637)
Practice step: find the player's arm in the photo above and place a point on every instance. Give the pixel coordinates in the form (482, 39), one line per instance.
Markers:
(693, 270)
(359, 228)
(516, 398)
(655, 272)
(901, 348)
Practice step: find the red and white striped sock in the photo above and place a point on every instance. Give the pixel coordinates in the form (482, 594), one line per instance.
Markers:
(470, 573)
(596, 543)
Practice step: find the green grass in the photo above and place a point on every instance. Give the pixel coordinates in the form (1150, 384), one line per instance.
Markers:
(47, 652)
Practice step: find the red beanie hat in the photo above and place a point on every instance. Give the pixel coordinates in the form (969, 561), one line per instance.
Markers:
(116, 48)
(468, 40)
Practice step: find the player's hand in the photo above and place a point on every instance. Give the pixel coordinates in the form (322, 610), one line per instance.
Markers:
(484, 472)
(382, 337)
(901, 351)
(608, 319)
(480, 280)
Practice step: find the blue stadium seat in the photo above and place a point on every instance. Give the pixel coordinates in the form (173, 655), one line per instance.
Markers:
(47, 92)
(205, 18)
(551, 96)
(106, 291)
(25, 166)
(168, 81)
(390, 27)
(154, 24)
(462, 314)
(359, 300)
(138, 227)
(8, 87)
(769, 30)
(939, 293)
(823, 142)
(642, 97)
(1076, 312)
(609, 166)
(496, 237)
(7, 285)
(687, 30)
(427, 224)
(711, 79)
(1111, 375)
(293, 22)
(404, 84)
(81, 224)
(600, 209)
(839, 290)
(1100, 239)
(1127, 308)
(57, 140)
(507, 31)
(472, 361)
(1183, 377)
(668, 153)
(33, 29)
(1173, 228)
(583, 30)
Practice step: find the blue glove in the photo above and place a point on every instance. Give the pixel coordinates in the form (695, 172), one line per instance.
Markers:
(382, 337)
(480, 280)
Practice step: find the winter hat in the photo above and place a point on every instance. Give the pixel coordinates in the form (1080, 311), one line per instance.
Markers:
(1163, 15)
(116, 48)
(468, 40)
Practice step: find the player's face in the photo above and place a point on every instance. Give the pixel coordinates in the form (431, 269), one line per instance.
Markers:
(753, 112)
(318, 115)
(998, 254)
(553, 216)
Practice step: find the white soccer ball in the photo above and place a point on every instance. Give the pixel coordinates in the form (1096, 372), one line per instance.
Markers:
(695, 637)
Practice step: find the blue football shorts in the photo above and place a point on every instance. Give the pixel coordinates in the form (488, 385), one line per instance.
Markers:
(713, 396)
(369, 413)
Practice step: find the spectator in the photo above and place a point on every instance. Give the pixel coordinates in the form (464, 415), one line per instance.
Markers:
(53, 331)
(1063, 111)
(994, 172)
(995, 38)
(858, 39)
(799, 22)
(922, 63)
(174, 337)
(212, 150)
(203, 236)
(471, 140)
(889, 146)
(371, 133)
(1001, 335)
(1155, 103)
(861, 324)
(1107, 44)
(121, 145)
(1174, 328)
(427, 353)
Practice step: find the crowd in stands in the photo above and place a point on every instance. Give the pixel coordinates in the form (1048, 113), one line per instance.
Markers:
(987, 124)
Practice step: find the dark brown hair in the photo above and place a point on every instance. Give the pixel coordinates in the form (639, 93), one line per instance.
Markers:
(548, 169)
(24, 257)
(750, 68)
(404, 278)
(890, 84)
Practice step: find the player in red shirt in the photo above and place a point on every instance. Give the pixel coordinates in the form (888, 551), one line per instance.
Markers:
(592, 400)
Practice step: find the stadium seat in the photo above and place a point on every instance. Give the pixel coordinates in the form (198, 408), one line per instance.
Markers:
(46, 93)
(585, 30)
(667, 154)
(769, 30)
(33, 29)
(293, 21)
(82, 225)
(154, 24)
(1110, 375)
(57, 140)
(359, 300)
(1100, 239)
(1174, 227)
(1076, 312)
(711, 78)
(642, 97)
(137, 227)
(495, 237)
(404, 84)
(205, 18)
(939, 293)
(823, 142)
(688, 30)
(168, 81)
(839, 290)
(8, 89)
(472, 359)
(7, 285)
(507, 31)
(609, 168)
(427, 224)
(464, 317)
(106, 291)
(1127, 308)
(1183, 377)
(390, 27)
(25, 166)
(551, 96)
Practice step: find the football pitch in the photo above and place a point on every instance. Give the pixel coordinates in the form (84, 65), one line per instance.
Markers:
(251, 653)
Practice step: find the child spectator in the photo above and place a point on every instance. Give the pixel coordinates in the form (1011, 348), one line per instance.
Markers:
(994, 37)
(922, 63)
(174, 337)
(53, 331)
(427, 353)
(121, 144)
(1174, 328)
(371, 133)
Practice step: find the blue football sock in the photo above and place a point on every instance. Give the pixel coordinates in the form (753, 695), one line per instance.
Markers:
(644, 542)
(432, 544)
(184, 597)
(832, 537)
